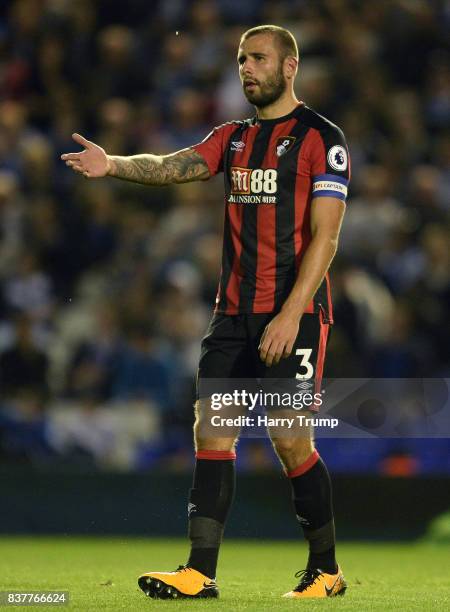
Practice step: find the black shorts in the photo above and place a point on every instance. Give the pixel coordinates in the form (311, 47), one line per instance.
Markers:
(229, 352)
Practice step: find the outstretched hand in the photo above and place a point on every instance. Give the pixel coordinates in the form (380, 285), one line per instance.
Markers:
(92, 162)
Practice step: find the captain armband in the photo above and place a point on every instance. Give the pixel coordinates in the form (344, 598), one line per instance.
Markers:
(329, 185)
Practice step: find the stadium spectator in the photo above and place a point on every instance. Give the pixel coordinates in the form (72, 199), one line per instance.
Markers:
(23, 366)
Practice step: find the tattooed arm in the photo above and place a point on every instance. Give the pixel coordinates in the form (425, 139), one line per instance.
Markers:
(180, 167)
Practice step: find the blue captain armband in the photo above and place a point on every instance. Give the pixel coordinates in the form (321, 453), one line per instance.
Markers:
(329, 185)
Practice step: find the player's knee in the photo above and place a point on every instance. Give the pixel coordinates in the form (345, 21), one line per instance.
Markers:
(300, 447)
(208, 435)
(202, 423)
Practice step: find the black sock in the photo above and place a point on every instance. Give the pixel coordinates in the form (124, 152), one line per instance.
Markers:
(210, 500)
(311, 491)
(204, 560)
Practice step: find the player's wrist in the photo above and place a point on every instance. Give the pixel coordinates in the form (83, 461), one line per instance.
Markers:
(110, 165)
(292, 311)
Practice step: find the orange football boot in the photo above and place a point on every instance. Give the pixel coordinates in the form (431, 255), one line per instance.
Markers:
(185, 582)
(315, 583)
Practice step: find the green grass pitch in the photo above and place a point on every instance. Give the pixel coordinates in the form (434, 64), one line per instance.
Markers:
(100, 574)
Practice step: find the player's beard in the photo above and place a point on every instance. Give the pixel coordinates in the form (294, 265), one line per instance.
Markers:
(269, 91)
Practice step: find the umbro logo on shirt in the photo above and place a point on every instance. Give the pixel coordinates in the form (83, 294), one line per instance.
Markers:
(237, 145)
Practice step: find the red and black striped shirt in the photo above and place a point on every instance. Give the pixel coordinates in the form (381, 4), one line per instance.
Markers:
(272, 168)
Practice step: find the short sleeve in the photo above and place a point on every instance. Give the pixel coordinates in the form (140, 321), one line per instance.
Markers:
(212, 149)
(330, 163)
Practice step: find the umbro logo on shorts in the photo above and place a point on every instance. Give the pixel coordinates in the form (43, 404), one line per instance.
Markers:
(305, 386)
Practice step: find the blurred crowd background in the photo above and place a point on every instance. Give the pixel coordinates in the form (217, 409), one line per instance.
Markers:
(107, 287)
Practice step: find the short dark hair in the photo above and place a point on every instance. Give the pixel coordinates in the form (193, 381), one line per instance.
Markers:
(285, 39)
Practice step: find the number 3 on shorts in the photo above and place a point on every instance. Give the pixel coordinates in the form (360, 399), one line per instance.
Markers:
(305, 363)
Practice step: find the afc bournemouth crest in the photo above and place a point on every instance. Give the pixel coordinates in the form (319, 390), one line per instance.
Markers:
(284, 144)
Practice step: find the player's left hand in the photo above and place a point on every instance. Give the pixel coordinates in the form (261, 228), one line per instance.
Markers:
(278, 338)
